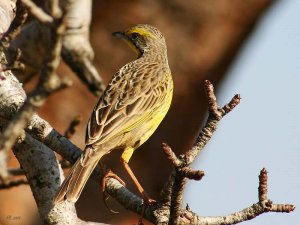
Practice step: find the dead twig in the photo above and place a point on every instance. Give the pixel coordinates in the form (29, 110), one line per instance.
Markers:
(171, 195)
(72, 127)
(10, 34)
(37, 12)
(262, 206)
(15, 26)
(13, 183)
(16, 63)
(48, 83)
(216, 113)
(173, 190)
(70, 131)
(263, 196)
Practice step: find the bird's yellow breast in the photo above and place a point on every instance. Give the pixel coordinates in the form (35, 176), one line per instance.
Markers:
(160, 113)
(139, 136)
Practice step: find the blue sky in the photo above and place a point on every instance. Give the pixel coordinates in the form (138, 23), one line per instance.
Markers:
(263, 131)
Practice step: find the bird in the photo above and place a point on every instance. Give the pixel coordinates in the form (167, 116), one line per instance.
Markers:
(131, 108)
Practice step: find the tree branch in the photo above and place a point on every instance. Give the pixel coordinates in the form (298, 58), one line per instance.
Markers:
(262, 206)
(49, 82)
(215, 115)
(13, 183)
(43, 132)
(77, 51)
(171, 194)
(70, 131)
(44, 176)
(44, 180)
(37, 12)
(15, 26)
(36, 143)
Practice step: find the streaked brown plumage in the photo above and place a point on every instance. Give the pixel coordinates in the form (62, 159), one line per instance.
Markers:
(131, 108)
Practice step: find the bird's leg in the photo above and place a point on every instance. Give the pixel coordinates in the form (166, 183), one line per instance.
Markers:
(108, 174)
(147, 200)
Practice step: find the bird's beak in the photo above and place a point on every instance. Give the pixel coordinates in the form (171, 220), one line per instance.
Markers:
(128, 40)
(121, 35)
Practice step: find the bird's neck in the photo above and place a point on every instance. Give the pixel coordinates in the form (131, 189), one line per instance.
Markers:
(155, 55)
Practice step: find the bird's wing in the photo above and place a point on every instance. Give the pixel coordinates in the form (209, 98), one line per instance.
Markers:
(130, 99)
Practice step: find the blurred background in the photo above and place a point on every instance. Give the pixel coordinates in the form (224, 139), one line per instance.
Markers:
(246, 47)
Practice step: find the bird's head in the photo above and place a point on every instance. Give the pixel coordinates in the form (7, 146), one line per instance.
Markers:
(143, 38)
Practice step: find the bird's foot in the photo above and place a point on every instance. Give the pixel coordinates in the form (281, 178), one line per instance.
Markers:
(147, 200)
(109, 174)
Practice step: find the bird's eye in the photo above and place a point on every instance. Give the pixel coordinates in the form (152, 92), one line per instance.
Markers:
(134, 35)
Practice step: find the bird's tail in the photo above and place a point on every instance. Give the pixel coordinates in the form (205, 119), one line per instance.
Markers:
(74, 183)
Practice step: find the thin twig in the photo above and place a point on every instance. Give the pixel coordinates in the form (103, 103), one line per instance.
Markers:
(263, 186)
(49, 82)
(248, 213)
(16, 171)
(212, 100)
(181, 173)
(263, 195)
(72, 127)
(262, 206)
(182, 170)
(37, 12)
(175, 188)
(13, 183)
(77, 51)
(16, 63)
(70, 131)
(231, 105)
(171, 155)
(176, 199)
(192, 174)
(15, 26)
(10, 34)
(216, 113)
(55, 11)
(133, 203)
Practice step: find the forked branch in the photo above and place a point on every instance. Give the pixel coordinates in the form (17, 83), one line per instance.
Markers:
(171, 195)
